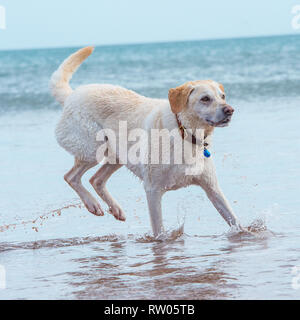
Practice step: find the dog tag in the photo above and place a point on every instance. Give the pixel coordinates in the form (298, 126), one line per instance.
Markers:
(207, 154)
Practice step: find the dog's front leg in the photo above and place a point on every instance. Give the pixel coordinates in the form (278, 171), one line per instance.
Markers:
(154, 204)
(218, 199)
(208, 181)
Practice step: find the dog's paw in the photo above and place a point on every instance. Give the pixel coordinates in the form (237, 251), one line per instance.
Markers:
(94, 207)
(118, 213)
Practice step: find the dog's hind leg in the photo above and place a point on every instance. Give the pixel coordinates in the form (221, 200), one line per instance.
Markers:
(98, 181)
(73, 178)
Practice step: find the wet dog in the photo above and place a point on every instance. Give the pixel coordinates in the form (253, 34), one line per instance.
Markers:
(197, 105)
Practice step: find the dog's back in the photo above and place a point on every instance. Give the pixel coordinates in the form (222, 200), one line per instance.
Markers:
(90, 108)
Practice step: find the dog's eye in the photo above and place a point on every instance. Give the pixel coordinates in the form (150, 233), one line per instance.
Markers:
(223, 96)
(205, 99)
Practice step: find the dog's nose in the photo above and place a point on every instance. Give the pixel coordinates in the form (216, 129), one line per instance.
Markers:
(228, 110)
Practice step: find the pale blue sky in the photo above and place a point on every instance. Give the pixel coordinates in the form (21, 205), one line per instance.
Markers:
(62, 23)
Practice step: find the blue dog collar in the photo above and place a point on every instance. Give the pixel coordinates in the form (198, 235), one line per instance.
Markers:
(206, 153)
(182, 130)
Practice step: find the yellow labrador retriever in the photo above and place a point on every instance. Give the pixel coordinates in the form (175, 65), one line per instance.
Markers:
(195, 106)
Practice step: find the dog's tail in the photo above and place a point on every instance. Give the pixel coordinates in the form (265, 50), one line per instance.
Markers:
(59, 83)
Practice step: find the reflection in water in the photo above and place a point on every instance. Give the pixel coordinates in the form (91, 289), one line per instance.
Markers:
(164, 270)
(141, 267)
(185, 280)
(56, 243)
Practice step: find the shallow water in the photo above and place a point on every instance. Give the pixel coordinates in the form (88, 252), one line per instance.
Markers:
(52, 248)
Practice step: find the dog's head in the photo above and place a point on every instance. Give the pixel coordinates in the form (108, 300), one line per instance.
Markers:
(204, 99)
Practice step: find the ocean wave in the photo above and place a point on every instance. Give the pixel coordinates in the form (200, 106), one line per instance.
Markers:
(250, 69)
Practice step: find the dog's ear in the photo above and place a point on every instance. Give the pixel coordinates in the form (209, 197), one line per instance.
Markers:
(221, 87)
(179, 97)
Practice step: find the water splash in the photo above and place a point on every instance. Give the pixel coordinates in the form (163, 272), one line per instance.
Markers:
(257, 229)
(39, 221)
(166, 236)
(257, 226)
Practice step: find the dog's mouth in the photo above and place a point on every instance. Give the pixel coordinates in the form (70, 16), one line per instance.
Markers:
(223, 123)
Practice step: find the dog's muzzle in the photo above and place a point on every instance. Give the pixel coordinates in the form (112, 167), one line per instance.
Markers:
(228, 112)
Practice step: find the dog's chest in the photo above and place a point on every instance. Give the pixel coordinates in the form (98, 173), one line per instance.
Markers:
(171, 177)
(181, 176)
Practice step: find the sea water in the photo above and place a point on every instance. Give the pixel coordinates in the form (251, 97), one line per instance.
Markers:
(52, 248)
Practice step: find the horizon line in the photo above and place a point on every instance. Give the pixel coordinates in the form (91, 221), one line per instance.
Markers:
(152, 42)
